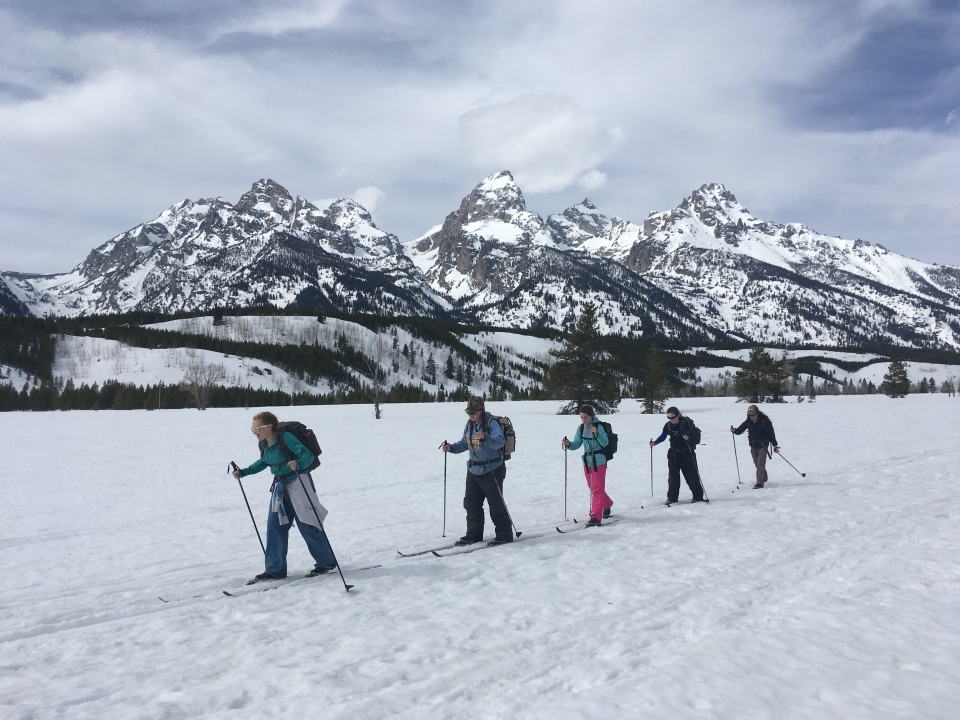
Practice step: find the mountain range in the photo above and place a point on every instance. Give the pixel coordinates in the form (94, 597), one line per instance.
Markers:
(706, 270)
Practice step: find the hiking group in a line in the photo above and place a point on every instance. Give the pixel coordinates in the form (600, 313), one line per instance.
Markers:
(290, 450)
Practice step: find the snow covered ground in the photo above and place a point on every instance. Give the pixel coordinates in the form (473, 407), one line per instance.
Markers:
(831, 596)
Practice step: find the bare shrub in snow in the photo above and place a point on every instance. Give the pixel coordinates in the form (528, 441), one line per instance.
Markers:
(199, 380)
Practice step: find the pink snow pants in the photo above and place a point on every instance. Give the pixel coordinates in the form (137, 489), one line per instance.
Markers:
(597, 482)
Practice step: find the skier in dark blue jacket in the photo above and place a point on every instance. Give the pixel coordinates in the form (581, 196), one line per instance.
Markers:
(483, 438)
(681, 457)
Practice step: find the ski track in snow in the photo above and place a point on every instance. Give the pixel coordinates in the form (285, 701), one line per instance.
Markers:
(831, 596)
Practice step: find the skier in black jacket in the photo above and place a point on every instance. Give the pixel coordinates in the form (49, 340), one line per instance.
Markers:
(761, 436)
(680, 457)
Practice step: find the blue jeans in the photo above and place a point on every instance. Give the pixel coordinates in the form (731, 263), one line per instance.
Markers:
(275, 560)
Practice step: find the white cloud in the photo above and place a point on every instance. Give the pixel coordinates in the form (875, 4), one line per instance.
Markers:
(369, 197)
(547, 141)
(273, 20)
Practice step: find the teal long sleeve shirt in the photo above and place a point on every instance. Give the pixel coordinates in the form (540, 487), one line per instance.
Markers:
(274, 458)
(592, 446)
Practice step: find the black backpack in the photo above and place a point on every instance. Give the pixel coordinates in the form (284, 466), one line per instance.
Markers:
(694, 431)
(612, 438)
(302, 433)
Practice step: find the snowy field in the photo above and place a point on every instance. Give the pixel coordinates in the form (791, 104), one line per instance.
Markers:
(831, 596)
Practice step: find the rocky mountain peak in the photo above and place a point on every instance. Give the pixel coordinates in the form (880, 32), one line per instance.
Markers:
(498, 197)
(579, 224)
(713, 205)
(347, 214)
(264, 198)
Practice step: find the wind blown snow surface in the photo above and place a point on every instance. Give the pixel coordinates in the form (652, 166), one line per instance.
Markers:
(831, 596)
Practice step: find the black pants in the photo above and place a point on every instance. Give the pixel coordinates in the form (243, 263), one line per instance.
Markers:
(489, 487)
(683, 461)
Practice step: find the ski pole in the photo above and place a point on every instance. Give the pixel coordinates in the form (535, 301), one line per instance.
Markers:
(791, 465)
(444, 490)
(651, 468)
(325, 536)
(233, 466)
(696, 466)
(736, 458)
(500, 493)
(564, 480)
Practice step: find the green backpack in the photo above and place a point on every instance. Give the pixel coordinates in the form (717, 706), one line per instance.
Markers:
(509, 434)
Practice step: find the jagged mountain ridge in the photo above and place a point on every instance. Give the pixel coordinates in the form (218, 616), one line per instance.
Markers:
(706, 270)
(269, 247)
(709, 259)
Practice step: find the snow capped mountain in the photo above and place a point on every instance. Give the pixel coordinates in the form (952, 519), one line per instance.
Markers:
(706, 270)
(712, 219)
(482, 250)
(788, 283)
(505, 266)
(269, 247)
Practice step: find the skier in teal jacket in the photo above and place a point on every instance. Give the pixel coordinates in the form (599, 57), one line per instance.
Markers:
(293, 498)
(593, 438)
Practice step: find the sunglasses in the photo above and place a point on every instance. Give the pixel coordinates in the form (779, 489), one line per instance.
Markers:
(751, 414)
(256, 429)
(672, 417)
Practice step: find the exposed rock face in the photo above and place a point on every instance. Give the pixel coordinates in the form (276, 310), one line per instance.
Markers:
(706, 270)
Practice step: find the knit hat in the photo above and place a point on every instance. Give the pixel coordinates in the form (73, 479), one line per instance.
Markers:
(475, 404)
(753, 410)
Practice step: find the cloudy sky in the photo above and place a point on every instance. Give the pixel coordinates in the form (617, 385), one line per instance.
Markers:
(842, 115)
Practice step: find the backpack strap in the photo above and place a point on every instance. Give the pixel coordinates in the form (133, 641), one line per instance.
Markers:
(287, 453)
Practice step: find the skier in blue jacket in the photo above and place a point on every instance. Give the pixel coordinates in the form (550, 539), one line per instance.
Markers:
(483, 438)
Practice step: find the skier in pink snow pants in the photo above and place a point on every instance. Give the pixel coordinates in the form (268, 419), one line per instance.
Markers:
(593, 438)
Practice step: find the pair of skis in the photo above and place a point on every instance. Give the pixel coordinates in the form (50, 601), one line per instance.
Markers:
(451, 549)
(241, 590)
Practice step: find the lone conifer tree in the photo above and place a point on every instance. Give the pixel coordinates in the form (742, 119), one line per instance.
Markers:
(896, 383)
(653, 389)
(752, 381)
(582, 371)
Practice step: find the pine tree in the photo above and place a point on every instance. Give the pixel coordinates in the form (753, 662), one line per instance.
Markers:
(896, 383)
(448, 370)
(582, 371)
(430, 371)
(653, 388)
(752, 381)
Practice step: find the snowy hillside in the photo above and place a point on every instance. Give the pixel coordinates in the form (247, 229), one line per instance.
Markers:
(485, 363)
(833, 596)
(402, 357)
(494, 364)
(94, 360)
